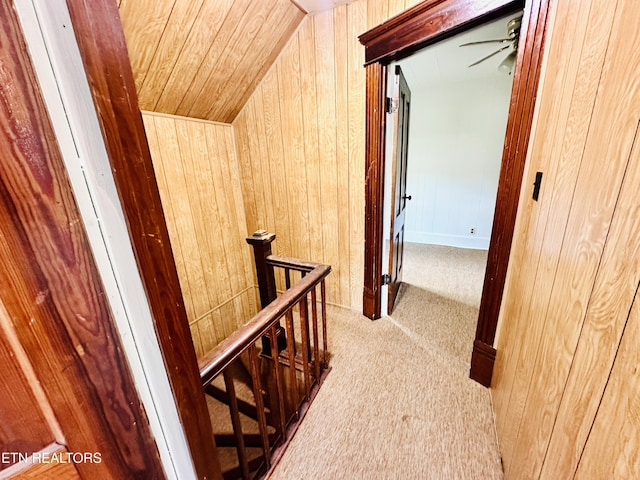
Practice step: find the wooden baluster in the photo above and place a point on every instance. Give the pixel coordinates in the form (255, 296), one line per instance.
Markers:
(292, 362)
(316, 339)
(287, 278)
(324, 324)
(257, 393)
(237, 426)
(278, 382)
(304, 333)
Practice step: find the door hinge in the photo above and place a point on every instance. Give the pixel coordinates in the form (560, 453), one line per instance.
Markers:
(386, 279)
(391, 105)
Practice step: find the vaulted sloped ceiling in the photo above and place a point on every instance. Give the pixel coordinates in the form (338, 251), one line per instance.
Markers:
(204, 58)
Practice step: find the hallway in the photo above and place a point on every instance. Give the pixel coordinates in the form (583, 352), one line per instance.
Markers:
(399, 403)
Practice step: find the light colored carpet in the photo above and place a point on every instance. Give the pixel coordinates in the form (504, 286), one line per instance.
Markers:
(398, 403)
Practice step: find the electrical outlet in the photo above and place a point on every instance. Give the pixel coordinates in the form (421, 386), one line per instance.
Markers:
(472, 231)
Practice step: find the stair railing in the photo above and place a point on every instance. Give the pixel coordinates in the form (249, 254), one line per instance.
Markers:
(282, 389)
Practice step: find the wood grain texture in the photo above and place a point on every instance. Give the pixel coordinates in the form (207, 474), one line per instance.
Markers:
(50, 286)
(55, 467)
(103, 49)
(595, 197)
(424, 23)
(357, 18)
(24, 426)
(569, 91)
(612, 449)
(141, 33)
(340, 19)
(203, 59)
(376, 88)
(302, 124)
(565, 319)
(198, 179)
(602, 330)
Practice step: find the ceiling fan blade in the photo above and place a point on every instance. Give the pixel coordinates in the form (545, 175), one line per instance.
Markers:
(480, 42)
(489, 56)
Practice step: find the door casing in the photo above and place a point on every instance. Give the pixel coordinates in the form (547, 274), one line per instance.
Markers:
(400, 36)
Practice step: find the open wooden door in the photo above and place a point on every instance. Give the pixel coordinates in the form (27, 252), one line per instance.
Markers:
(399, 197)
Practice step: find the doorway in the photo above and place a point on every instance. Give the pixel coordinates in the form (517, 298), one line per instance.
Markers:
(459, 113)
(401, 36)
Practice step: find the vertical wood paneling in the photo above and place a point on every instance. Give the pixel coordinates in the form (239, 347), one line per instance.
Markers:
(356, 24)
(312, 156)
(571, 81)
(326, 94)
(613, 293)
(271, 119)
(246, 255)
(341, 30)
(243, 152)
(262, 165)
(595, 197)
(612, 450)
(199, 183)
(289, 88)
(614, 117)
(306, 123)
(377, 12)
(565, 383)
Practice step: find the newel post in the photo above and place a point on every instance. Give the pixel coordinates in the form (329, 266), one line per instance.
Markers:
(261, 242)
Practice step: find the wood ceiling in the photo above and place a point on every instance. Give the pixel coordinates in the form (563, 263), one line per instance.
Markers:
(204, 58)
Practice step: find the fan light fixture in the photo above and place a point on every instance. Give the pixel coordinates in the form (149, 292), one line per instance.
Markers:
(513, 34)
(506, 66)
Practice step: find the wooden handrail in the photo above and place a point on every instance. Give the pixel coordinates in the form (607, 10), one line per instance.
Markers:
(292, 263)
(283, 365)
(221, 356)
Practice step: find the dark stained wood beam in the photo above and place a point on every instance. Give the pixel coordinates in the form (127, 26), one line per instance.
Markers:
(521, 109)
(376, 84)
(428, 22)
(50, 288)
(103, 49)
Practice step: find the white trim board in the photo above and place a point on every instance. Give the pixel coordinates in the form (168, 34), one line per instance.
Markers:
(460, 241)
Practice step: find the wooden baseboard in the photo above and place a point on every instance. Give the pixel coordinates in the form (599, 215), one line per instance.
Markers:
(482, 360)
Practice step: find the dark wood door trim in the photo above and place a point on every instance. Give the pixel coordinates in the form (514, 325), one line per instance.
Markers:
(426, 23)
(376, 74)
(101, 41)
(429, 22)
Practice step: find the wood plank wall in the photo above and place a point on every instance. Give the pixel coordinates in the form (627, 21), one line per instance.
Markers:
(300, 141)
(199, 183)
(203, 59)
(565, 383)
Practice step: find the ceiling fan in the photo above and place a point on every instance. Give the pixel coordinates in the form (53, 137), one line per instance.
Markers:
(513, 34)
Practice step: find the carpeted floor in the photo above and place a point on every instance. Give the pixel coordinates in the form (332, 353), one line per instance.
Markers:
(398, 403)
